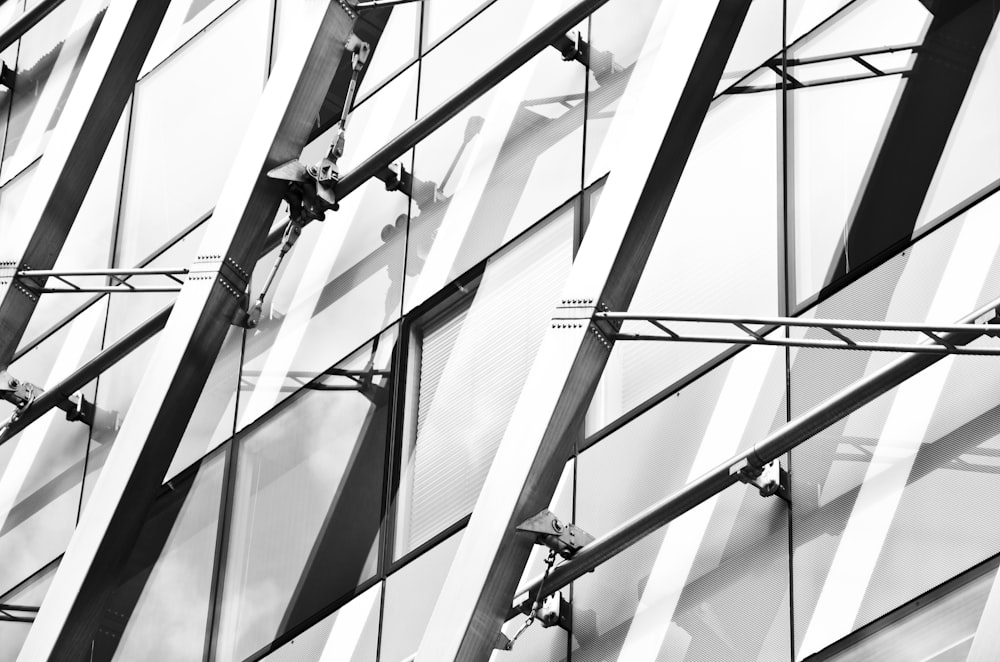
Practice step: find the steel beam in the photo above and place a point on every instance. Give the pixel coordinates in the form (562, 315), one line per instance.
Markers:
(194, 333)
(76, 148)
(781, 441)
(476, 595)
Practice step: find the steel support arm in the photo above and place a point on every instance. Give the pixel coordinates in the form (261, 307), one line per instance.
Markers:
(75, 150)
(192, 337)
(774, 446)
(476, 595)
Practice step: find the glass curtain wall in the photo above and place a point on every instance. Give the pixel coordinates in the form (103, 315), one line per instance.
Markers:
(324, 482)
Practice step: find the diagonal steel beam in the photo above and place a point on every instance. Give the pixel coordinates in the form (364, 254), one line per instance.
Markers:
(193, 335)
(71, 158)
(476, 595)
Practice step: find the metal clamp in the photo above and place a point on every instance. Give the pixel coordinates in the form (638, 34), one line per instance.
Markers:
(18, 393)
(769, 480)
(562, 538)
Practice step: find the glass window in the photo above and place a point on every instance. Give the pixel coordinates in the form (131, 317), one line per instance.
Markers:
(183, 20)
(307, 502)
(48, 61)
(188, 122)
(467, 368)
(723, 221)
(41, 479)
(440, 16)
(506, 161)
(909, 480)
(410, 595)
(396, 45)
(939, 631)
(160, 608)
(712, 584)
(15, 234)
(349, 634)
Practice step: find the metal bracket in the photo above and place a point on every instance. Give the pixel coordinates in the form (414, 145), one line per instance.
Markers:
(7, 76)
(565, 539)
(555, 611)
(16, 392)
(572, 47)
(771, 479)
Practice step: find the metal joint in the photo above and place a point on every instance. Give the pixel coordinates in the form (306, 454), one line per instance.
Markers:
(7, 76)
(565, 539)
(770, 479)
(16, 392)
(227, 273)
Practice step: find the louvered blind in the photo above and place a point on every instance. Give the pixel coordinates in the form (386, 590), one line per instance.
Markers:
(473, 365)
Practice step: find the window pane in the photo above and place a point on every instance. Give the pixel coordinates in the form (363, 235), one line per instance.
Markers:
(160, 608)
(866, 488)
(183, 20)
(307, 503)
(719, 239)
(187, 124)
(712, 584)
(41, 479)
(506, 161)
(470, 376)
(48, 62)
(410, 594)
(349, 634)
(940, 631)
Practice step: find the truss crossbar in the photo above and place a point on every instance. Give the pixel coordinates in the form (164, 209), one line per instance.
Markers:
(35, 280)
(774, 446)
(855, 56)
(663, 328)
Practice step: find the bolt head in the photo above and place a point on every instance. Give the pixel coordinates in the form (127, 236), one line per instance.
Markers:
(12, 383)
(557, 525)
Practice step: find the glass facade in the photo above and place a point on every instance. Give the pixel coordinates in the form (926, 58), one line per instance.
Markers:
(844, 166)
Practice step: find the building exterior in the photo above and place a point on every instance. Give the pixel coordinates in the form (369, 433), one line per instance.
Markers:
(434, 360)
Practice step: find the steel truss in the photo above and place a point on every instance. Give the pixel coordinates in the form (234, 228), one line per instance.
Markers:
(17, 613)
(610, 324)
(35, 280)
(784, 70)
